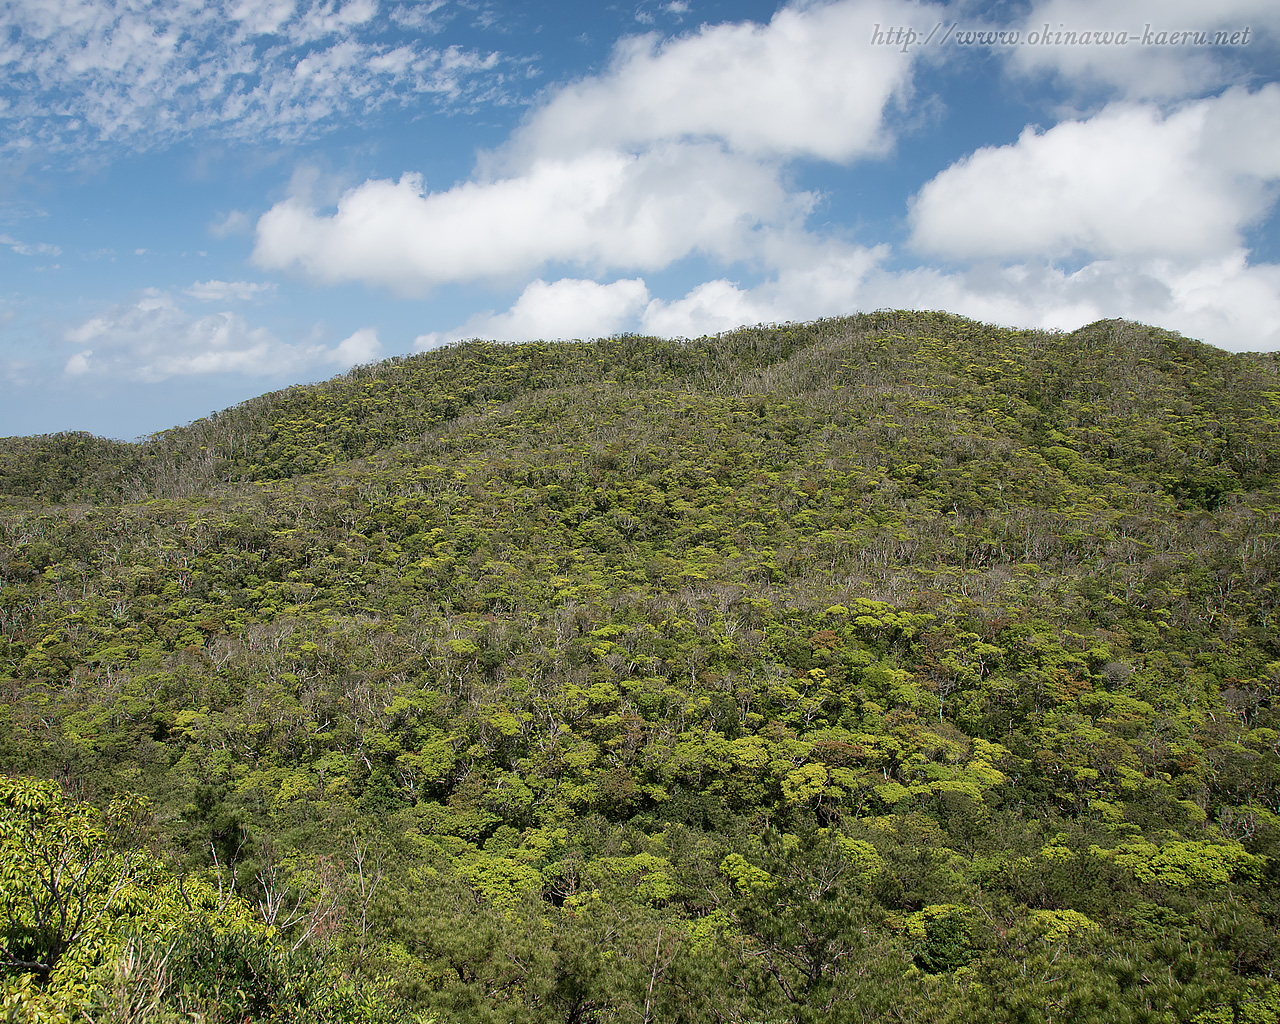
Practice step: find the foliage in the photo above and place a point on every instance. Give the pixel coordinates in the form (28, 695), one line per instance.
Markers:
(888, 667)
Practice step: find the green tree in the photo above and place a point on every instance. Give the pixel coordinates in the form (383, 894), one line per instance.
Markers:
(62, 866)
(804, 926)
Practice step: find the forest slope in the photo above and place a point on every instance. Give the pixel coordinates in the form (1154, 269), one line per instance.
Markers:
(887, 667)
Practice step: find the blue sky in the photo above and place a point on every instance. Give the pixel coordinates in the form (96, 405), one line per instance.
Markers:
(203, 201)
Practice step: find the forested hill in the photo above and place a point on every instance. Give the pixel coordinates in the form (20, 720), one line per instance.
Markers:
(892, 667)
(1111, 369)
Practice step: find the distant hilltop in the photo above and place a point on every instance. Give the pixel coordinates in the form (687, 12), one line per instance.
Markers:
(1115, 367)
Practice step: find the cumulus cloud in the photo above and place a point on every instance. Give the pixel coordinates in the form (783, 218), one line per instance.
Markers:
(153, 339)
(361, 347)
(148, 72)
(1224, 301)
(1128, 181)
(679, 148)
(685, 146)
(1148, 66)
(1151, 204)
(806, 84)
(822, 280)
(598, 210)
(568, 308)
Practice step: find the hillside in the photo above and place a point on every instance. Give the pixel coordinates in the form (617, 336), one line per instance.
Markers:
(893, 667)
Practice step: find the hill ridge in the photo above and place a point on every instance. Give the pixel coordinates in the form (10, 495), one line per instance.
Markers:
(379, 405)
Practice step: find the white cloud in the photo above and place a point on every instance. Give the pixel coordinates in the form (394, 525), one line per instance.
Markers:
(820, 280)
(320, 20)
(710, 308)
(568, 308)
(1154, 206)
(25, 249)
(148, 72)
(153, 339)
(78, 364)
(1128, 181)
(420, 14)
(362, 347)
(806, 84)
(228, 291)
(1148, 66)
(18, 373)
(678, 149)
(234, 222)
(598, 210)
(262, 17)
(1224, 301)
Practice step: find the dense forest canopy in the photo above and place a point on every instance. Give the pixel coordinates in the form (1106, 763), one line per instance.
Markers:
(891, 667)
